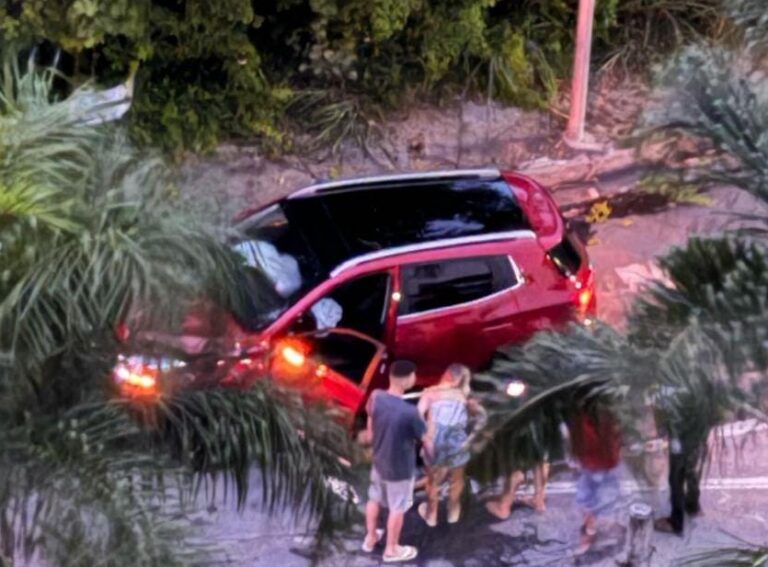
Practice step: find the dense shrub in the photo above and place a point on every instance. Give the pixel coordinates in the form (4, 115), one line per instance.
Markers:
(212, 69)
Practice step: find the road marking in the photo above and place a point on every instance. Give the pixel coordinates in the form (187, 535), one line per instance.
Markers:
(628, 486)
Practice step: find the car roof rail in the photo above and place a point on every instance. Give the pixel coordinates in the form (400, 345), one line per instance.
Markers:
(431, 245)
(363, 182)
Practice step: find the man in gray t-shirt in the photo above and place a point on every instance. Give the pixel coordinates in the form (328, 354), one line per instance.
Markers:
(395, 427)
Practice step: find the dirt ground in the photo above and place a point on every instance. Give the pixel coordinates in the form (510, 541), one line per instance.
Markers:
(460, 135)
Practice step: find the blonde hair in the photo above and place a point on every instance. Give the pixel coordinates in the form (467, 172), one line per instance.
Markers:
(460, 375)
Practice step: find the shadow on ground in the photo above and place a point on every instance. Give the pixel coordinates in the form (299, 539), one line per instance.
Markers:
(479, 540)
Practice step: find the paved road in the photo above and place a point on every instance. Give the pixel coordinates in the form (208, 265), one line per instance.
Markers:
(734, 499)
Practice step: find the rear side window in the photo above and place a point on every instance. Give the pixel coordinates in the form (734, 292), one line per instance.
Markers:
(436, 285)
(566, 256)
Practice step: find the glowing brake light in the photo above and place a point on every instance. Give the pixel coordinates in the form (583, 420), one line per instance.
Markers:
(585, 298)
(122, 332)
(134, 376)
(141, 381)
(293, 356)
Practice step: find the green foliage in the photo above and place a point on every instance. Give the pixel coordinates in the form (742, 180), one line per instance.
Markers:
(208, 71)
(87, 236)
(752, 17)
(716, 280)
(707, 95)
(593, 367)
(637, 32)
(328, 121)
(562, 372)
(674, 189)
(745, 556)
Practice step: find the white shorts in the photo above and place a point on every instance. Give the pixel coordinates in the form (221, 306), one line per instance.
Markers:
(397, 495)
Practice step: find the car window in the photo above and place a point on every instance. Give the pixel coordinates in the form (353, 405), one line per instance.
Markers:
(280, 267)
(436, 285)
(359, 304)
(566, 256)
(345, 223)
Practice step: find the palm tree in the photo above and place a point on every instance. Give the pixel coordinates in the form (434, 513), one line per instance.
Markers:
(86, 234)
(697, 332)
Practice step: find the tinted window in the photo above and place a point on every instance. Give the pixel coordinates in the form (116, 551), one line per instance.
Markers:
(280, 267)
(363, 304)
(348, 222)
(566, 256)
(453, 282)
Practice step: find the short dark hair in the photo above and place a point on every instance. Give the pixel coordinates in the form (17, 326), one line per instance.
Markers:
(401, 369)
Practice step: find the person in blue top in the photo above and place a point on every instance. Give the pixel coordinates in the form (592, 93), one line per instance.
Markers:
(395, 428)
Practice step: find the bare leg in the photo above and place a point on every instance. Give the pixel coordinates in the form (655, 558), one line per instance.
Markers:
(502, 507)
(589, 532)
(394, 527)
(434, 480)
(540, 477)
(454, 495)
(371, 522)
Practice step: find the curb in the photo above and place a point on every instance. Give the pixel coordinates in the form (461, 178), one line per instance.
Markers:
(587, 167)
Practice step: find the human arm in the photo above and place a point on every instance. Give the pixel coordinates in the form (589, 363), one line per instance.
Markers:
(365, 436)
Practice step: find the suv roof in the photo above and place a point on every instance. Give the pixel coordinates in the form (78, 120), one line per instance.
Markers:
(395, 179)
(346, 220)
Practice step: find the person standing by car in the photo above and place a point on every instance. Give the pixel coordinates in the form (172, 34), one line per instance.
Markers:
(395, 427)
(596, 445)
(447, 408)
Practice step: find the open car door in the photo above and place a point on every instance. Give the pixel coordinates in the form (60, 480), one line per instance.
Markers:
(338, 366)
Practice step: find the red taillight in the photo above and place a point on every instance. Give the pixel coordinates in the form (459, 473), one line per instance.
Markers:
(585, 298)
(122, 332)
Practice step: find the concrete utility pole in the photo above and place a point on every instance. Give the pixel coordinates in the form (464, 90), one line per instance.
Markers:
(580, 82)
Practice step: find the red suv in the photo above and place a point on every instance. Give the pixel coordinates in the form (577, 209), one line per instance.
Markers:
(434, 267)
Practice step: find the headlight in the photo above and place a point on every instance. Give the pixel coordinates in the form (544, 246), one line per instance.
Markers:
(138, 375)
(516, 388)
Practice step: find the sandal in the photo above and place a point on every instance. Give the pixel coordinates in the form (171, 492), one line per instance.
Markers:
(664, 525)
(404, 553)
(369, 549)
(422, 509)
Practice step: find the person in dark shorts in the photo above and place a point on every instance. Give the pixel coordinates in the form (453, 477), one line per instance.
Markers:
(395, 427)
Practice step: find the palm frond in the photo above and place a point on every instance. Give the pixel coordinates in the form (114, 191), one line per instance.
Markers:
(87, 236)
(752, 17)
(562, 372)
(721, 284)
(709, 94)
(106, 477)
(744, 556)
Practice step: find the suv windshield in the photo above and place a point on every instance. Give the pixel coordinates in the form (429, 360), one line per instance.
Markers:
(283, 267)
